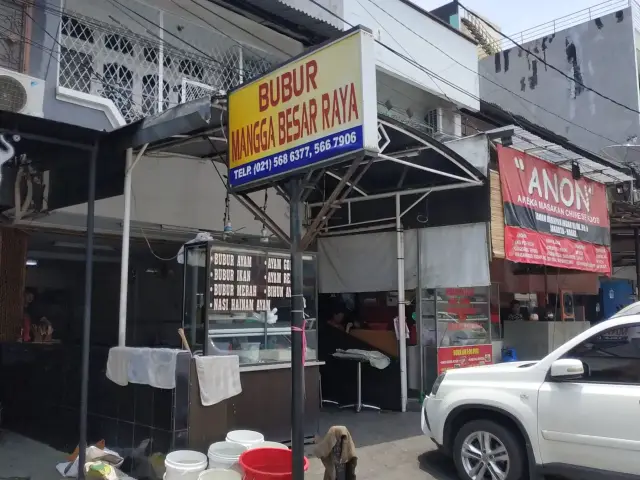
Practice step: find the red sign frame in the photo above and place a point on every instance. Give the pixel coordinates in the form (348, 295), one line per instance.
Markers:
(552, 218)
(464, 356)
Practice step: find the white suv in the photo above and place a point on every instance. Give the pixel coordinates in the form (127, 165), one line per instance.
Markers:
(575, 413)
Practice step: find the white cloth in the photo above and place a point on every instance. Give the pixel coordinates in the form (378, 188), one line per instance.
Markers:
(118, 366)
(218, 377)
(376, 359)
(146, 366)
(397, 329)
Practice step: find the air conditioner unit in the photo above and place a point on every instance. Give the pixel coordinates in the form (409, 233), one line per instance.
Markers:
(21, 93)
(444, 125)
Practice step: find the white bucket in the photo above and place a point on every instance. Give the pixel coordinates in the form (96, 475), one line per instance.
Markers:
(245, 437)
(184, 465)
(220, 474)
(269, 445)
(224, 454)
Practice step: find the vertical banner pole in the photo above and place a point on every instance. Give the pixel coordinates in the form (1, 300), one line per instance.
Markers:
(86, 328)
(297, 333)
(636, 234)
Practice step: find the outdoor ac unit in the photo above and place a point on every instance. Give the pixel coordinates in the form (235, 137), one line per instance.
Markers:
(21, 93)
(443, 124)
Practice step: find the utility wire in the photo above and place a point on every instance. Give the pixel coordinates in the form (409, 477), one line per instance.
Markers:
(457, 87)
(552, 67)
(248, 32)
(460, 89)
(555, 153)
(202, 52)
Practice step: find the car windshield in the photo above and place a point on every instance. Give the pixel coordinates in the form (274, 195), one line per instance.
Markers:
(633, 309)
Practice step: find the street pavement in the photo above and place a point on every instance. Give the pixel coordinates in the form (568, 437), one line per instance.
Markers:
(389, 445)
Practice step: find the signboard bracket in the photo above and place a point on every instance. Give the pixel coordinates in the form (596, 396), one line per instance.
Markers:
(317, 223)
(260, 214)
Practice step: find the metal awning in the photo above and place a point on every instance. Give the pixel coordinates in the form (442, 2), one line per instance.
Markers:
(551, 146)
(532, 144)
(299, 19)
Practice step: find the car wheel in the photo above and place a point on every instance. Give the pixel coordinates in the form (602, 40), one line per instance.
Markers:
(485, 450)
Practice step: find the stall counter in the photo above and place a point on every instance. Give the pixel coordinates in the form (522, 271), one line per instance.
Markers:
(535, 340)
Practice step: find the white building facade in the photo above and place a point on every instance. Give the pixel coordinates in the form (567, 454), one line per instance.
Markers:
(105, 63)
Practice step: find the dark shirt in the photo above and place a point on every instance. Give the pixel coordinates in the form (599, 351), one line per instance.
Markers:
(515, 317)
(34, 311)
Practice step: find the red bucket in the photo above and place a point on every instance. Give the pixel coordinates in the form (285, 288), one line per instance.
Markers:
(268, 464)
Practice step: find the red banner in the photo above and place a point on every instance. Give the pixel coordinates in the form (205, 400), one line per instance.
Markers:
(525, 246)
(550, 217)
(464, 356)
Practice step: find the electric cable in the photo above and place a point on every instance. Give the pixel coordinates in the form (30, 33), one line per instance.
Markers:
(457, 87)
(553, 67)
(475, 97)
(239, 27)
(202, 52)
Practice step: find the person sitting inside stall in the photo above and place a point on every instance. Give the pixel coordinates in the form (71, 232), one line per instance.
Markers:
(344, 320)
(32, 318)
(515, 315)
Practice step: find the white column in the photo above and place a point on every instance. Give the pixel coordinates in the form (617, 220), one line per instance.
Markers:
(401, 310)
(124, 260)
(126, 233)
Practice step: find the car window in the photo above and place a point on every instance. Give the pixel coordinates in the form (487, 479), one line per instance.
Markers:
(633, 309)
(611, 356)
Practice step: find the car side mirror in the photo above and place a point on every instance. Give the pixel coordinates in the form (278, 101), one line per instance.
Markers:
(567, 369)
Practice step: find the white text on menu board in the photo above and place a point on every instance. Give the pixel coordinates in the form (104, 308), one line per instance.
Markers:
(241, 295)
(278, 277)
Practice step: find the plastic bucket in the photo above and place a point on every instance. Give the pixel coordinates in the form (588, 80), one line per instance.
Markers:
(184, 465)
(224, 454)
(245, 437)
(268, 464)
(266, 444)
(219, 474)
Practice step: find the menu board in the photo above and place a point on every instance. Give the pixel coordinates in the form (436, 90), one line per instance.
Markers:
(464, 304)
(464, 356)
(247, 282)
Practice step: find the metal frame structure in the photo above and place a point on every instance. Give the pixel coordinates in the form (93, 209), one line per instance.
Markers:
(349, 182)
(297, 191)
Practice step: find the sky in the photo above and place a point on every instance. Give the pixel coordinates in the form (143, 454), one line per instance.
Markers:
(514, 16)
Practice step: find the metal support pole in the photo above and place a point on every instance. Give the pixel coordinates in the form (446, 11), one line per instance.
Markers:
(297, 331)
(401, 308)
(636, 234)
(86, 330)
(124, 262)
(126, 235)
(419, 325)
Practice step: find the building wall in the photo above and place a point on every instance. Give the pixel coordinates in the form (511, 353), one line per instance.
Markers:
(213, 33)
(43, 64)
(442, 50)
(188, 193)
(600, 54)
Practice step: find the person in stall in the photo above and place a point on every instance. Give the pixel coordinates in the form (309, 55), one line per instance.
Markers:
(34, 323)
(342, 314)
(515, 315)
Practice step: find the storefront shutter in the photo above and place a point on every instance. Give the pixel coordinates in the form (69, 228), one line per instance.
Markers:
(497, 215)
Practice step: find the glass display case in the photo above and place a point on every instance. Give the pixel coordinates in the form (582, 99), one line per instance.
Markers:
(456, 316)
(241, 298)
(455, 329)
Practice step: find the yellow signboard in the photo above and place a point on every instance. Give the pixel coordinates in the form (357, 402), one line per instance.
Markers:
(314, 109)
